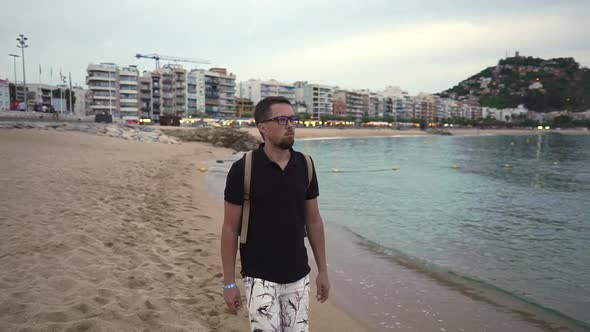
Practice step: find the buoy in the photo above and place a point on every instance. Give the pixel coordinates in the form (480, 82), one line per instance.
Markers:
(507, 166)
(511, 143)
(335, 170)
(455, 166)
(395, 168)
(203, 169)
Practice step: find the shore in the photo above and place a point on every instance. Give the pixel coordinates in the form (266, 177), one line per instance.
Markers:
(311, 133)
(104, 234)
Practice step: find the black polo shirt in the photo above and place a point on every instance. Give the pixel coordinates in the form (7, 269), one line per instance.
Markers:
(275, 249)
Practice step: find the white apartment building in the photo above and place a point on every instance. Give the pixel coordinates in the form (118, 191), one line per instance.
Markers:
(102, 84)
(41, 93)
(256, 90)
(196, 92)
(128, 92)
(403, 103)
(4, 95)
(316, 99)
(506, 114)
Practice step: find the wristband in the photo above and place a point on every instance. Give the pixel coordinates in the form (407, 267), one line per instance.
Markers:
(230, 286)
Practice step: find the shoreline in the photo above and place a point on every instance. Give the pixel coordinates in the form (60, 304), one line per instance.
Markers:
(416, 295)
(335, 133)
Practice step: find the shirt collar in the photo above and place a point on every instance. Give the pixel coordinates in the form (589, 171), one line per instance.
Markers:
(262, 154)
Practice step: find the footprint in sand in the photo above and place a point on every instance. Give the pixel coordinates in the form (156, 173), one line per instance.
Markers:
(149, 305)
(165, 267)
(135, 283)
(83, 308)
(100, 300)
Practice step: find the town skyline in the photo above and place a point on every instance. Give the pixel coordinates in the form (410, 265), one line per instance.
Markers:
(421, 47)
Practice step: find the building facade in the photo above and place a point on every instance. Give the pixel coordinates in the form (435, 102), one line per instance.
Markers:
(102, 84)
(315, 99)
(4, 95)
(349, 103)
(257, 90)
(127, 92)
(220, 93)
(244, 107)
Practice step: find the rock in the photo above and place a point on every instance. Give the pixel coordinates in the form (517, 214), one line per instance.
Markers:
(222, 137)
(112, 130)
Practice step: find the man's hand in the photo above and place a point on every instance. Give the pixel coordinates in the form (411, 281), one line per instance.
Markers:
(232, 299)
(323, 287)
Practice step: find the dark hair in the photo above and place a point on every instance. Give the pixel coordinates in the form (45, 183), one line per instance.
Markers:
(262, 111)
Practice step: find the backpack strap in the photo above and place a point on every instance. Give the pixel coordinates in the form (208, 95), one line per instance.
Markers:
(309, 169)
(246, 204)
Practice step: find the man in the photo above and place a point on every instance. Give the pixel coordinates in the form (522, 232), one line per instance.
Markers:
(283, 205)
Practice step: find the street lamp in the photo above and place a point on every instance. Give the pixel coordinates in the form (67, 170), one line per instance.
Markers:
(22, 44)
(14, 56)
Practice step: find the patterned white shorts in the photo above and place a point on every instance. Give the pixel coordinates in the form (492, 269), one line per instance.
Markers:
(277, 307)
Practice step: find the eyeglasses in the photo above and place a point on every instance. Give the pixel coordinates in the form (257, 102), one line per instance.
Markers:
(282, 120)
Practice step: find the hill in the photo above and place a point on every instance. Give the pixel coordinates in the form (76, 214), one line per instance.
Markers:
(541, 85)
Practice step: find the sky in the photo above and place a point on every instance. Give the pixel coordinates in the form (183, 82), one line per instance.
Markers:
(419, 45)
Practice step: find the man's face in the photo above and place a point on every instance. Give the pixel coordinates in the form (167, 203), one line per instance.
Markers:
(281, 136)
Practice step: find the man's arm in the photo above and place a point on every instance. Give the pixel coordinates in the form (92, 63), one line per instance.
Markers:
(315, 233)
(229, 248)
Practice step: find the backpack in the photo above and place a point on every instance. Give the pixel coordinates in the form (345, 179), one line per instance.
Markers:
(247, 178)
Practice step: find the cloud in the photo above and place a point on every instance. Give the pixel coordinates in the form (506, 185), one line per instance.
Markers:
(425, 48)
(420, 45)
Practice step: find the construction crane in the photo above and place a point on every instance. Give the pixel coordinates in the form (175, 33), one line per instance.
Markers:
(159, 57)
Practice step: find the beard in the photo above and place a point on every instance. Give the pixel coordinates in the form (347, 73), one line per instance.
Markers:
(286, 142)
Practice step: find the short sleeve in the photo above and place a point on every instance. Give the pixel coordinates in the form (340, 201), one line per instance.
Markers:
(234, 184)
(313, 190)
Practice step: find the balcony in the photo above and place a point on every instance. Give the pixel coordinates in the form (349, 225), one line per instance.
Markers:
(227, 83)
(103, 97)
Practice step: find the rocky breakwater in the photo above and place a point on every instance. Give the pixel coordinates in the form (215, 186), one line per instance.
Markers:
(223, 137)
(128, 132)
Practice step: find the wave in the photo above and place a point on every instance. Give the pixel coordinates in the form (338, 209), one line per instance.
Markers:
(545, 317)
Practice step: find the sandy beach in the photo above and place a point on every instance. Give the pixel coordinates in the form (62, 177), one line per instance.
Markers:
(103, 234)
